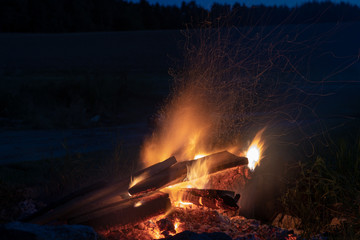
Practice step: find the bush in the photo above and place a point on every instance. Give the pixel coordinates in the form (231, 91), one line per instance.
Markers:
(326, 190)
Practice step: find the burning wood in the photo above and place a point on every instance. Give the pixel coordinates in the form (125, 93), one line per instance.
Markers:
(65, 207)
(127, 211)
(91, 198)
(216, 199)
(152, 170)
(108, 204)
(166, 227)
(177, 172)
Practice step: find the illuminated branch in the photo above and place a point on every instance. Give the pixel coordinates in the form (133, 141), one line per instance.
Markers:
(177, 172)
(216, 199)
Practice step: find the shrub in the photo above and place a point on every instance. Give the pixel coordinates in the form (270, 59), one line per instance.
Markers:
(328, 189)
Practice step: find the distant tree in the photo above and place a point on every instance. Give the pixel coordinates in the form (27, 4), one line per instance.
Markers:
(114, 15)
(218, 11)
(103, 14)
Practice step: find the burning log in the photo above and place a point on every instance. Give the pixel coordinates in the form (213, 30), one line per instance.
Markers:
(127, 211)
(216, 199)
(93, 197)
(177, 172)
(153, 170)
(109, 203)
(61, 209)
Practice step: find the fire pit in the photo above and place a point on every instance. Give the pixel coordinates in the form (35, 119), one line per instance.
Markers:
(165, 185)
(200, 195)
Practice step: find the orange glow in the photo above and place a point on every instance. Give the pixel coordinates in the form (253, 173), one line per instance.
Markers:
(156, 234)
(138, 179)
(199, 156)
(138, 204)
(198, 171)
(255, 151)
(181, 204)
(188, 124)
(253, 155)
(176, 196)
(180, 135)
(178, 226)
(184, 203)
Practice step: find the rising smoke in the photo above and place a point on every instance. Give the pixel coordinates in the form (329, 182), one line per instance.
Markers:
(233, 82)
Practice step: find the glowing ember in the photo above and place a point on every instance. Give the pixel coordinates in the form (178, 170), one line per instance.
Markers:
(138, 204)
(176, 225)
(182, 204)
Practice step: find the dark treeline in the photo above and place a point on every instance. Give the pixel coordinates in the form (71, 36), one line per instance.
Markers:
(114, 15)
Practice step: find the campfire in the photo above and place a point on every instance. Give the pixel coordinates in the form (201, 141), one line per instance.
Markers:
(161, 198)
(204, 187)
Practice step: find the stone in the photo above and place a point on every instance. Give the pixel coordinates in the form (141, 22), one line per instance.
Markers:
(336, 222)
(21, 231)
(287, 222)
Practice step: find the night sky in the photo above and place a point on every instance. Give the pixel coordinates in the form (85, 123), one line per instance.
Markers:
(208, 3)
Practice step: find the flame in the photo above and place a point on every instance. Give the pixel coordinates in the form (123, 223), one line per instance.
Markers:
(138, 204)
(182, 204)
(255, 150)
(197, 156)
(253, 155)
(138, 179)
(197, 174)
(176, 225)
(156, 234)
(181, 133)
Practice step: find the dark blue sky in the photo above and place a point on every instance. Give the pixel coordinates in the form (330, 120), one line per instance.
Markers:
(208, 3)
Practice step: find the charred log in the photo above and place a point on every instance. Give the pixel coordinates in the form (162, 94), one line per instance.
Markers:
(127, 211)
(177, 172)
(216, 199)
(155, 169)
(91, 198)
(63, 208)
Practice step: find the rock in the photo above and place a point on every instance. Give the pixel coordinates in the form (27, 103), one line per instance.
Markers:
(336, 222)
(27, 207)
(28, 231)
(95, 119)
(287, 222)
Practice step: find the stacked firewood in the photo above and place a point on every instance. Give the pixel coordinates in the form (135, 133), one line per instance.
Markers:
(117, 204)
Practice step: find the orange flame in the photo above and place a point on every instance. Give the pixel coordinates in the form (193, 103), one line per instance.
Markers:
(197, 174)
(197, 156)
(138, 179)
(180, 134)
(255, 150)
(138, 204)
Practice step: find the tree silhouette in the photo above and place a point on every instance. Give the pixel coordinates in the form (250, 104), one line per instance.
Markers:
(115, 15)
